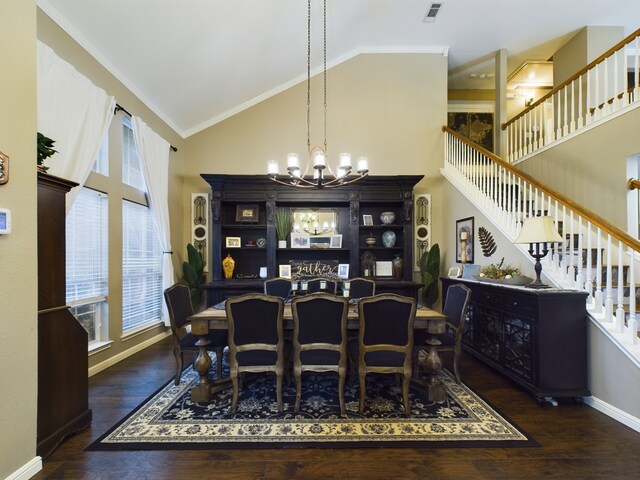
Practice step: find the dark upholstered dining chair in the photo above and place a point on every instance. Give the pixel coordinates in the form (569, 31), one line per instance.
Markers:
(385, 340)
(361, 287)
(315, 283)
(280, 287)
(256, 343)
(320, 339)
(455, 309)
(178, 299)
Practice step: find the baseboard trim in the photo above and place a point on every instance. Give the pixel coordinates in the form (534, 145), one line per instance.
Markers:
(28, 470)
(614, 412)
(127, 353)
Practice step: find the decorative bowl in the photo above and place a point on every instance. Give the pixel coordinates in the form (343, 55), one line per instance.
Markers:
(387, 218)
(371, 241)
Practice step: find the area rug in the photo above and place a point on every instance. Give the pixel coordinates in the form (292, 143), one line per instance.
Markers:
(170, 420)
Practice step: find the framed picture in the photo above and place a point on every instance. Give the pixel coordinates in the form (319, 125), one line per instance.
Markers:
(343, 270)
(284, 271)
(464, 230)
(247, 213)
(233, 242)
(454, 272)
(336, 241)
(300, 240)
(367, 219)
(384, 269)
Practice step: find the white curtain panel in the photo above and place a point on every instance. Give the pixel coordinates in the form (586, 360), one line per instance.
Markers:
(73, 112)
(153, 151)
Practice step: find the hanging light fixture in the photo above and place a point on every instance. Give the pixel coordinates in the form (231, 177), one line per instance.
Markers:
(322, 176)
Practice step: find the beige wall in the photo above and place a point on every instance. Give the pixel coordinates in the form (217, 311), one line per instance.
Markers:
(65, 47)
(18, 275)
(388, 107)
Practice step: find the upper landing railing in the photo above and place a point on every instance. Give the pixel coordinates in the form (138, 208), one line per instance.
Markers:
(596, 256)
(603, 88)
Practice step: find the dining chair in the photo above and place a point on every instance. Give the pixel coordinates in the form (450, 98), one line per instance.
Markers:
(385, 340)
(320, 339)
(256, 343)
(455, 309)
(280, 287)
(314, 285)
(178, 299)
(361, 287)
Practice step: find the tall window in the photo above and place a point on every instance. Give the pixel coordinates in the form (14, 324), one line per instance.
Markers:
(141, 250)
(86, 261)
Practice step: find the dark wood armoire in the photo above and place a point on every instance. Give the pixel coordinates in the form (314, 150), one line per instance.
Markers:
(63, 384)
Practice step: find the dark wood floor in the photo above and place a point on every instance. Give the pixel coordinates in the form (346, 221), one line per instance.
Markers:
(575, 442)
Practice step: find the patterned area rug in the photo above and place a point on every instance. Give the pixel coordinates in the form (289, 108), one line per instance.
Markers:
(170, 420)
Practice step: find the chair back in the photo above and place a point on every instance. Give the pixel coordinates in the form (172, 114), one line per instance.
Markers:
(386, 329)
(361, 287)
(178, 299)
(280, 287)
(314, 285)
(320, 329)
(255, 329)
(455, 306)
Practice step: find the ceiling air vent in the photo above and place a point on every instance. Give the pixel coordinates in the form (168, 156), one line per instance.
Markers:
(433, 11)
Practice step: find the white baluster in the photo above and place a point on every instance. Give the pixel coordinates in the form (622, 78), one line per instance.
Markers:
(608, 297)
(620, 310)
(571, 270)
(597, 297)
(580, 101)
(632, 323)
(579, 261)
(588, 284)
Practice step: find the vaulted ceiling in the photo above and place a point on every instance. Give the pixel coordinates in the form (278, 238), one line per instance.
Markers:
(197, 62)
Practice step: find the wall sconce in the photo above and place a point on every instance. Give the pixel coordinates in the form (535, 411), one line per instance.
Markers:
(538, 231)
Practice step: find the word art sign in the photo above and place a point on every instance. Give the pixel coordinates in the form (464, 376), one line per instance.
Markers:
(301, 269)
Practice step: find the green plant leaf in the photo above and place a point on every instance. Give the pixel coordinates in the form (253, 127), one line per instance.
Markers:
(189, 274)
(195, 258)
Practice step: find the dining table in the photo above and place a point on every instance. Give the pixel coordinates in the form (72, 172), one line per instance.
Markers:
(215, 318)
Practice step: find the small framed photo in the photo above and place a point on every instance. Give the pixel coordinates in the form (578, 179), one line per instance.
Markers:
(367, 219)
(384, 269)
(454, 272)
(233, 242)
(247, 213)
(284, 271)
(343, 270)
(336, 241)
(300, 240)
(464, 231)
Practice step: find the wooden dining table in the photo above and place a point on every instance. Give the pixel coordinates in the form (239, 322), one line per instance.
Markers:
(215, 318)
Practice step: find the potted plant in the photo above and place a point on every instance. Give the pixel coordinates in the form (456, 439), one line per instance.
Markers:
(45, 150)
(430, 271)
(284, 222)
(193, 274)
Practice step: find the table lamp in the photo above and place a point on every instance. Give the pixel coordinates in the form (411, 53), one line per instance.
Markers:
(538, 231)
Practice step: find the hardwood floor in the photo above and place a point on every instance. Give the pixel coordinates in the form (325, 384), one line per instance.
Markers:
(576, 442)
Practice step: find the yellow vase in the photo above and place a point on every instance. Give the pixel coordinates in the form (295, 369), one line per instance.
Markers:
(228, 265)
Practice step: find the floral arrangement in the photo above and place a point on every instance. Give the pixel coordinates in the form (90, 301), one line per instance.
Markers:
(500, 271)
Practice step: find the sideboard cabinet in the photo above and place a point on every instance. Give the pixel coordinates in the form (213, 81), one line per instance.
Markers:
(243, 210)
(536, 337)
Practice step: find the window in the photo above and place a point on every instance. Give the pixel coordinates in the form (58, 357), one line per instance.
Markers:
(86, 261)
(101, 165)
(131, 173)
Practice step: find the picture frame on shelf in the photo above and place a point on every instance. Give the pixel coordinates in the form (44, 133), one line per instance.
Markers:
(367, 220)
(384, 269)
(233, 242)
(464, 228)
(454, 272)
(284, 271)
(336, 241)
(247, 213)
(300, 240)
(343, 270)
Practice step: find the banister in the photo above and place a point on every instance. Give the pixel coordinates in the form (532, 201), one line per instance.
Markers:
(574, 77)
(592, 217)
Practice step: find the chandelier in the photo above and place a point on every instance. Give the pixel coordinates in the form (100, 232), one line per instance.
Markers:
(322, 176)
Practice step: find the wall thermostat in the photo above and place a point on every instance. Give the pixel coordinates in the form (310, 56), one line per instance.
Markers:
(5, 221)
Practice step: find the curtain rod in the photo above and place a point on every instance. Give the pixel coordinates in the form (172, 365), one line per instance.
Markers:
(120, 108)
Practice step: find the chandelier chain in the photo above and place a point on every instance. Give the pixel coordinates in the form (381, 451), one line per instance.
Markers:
(324, 70)
(309, 75)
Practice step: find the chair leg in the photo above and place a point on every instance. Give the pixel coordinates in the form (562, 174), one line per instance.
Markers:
(234, 399)
(456, 359)
(406, 379)
(177, 353)
(279, 391)
(219, 351)
(342, 376)
(297, 374)
(363, 388)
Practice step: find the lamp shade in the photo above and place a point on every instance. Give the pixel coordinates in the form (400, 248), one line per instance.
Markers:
(538, 230)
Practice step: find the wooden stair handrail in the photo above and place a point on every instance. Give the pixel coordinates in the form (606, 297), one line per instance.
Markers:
(573, 77)
(592, 217)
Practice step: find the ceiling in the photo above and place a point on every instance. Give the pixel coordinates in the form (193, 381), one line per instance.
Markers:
(197, 62)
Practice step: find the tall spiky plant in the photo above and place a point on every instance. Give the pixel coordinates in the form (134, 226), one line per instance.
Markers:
(430, 271)
(284, 222)
(193, 274)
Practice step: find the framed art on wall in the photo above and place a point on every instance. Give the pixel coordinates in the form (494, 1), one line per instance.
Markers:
(247, 213)
(464, 231)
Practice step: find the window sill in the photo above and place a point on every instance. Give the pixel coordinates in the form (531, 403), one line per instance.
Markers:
(140, 330)
(97, 347)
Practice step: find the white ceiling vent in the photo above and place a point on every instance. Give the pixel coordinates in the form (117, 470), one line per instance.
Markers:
(433, 12)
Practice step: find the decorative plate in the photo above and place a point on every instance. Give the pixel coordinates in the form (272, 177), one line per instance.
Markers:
(261, 242)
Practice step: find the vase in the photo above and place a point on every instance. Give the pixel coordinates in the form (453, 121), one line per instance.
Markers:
(389, 238)
(387, 218)
(370, 240)
(228, 264)
(282, 244)
(397, 265)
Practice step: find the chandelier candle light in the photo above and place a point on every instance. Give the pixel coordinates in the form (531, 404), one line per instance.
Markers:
(538, 231)
(317, 156)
